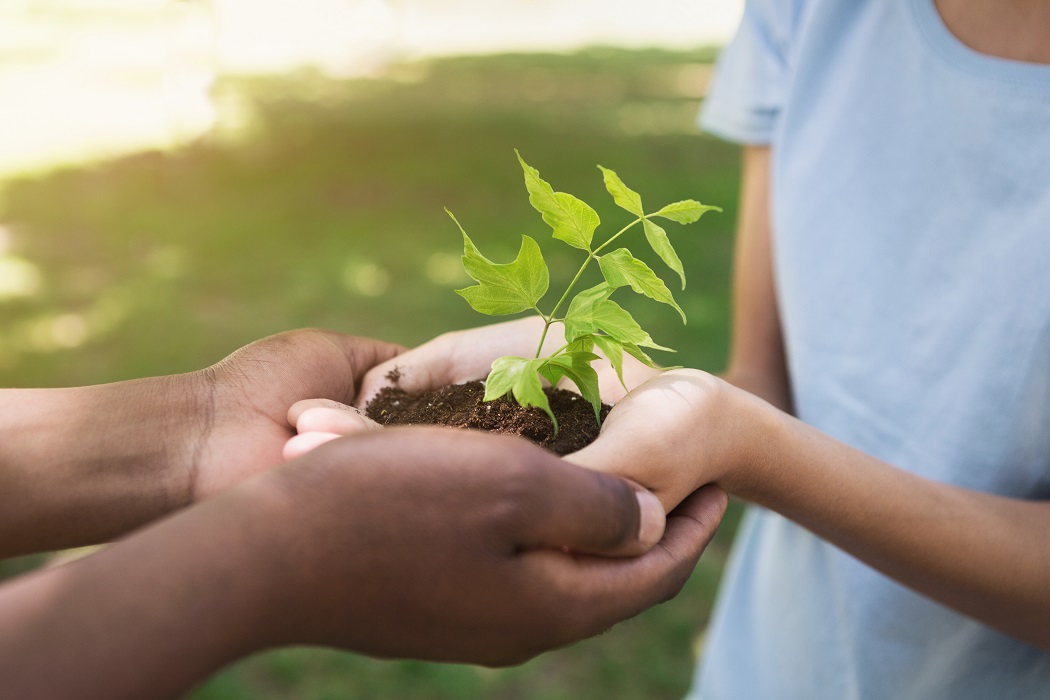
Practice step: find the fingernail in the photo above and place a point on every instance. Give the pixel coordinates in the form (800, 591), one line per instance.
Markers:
(651, 517)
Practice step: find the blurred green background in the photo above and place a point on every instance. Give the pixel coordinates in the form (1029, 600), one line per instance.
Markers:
(324, 207)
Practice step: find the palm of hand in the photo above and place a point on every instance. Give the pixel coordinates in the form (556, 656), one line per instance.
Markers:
(246, 397)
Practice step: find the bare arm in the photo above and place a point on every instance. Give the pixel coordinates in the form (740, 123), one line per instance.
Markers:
(81, 466)
(84, 465)
(986, 556)
(756, 357)
(421, 543)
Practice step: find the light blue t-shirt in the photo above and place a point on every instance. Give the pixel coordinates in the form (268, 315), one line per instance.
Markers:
(911, 238)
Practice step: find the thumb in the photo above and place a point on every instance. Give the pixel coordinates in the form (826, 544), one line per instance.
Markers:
(585, 511)
(613, 452)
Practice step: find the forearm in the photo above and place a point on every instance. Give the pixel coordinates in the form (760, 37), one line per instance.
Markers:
(983, 555)
(150, 616)
(757, 360)
(769, 385)
(84, 465)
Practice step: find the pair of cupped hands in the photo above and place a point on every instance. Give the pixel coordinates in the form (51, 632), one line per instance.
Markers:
(460, 545)
(660, 435)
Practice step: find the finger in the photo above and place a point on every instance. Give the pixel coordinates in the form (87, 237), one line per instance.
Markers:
(305, 442)
(326, 416)
(611, 452)
(590, 512)
(693, 524)
(611, 590)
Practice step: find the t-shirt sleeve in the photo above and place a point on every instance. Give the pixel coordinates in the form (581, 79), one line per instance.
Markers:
(750, 80)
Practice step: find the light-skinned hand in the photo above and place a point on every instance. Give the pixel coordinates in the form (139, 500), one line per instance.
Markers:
(677, 432)
(451, 358)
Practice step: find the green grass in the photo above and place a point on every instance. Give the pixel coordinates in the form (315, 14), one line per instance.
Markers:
(326, 209)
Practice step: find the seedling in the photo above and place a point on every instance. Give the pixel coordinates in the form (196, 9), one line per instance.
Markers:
(592, 320)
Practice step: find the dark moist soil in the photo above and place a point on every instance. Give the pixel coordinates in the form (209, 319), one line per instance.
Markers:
(461, 406)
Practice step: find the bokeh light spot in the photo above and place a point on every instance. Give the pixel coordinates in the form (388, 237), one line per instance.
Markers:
(69, 330)
(365, 278)
(444, 269)
(18, 277)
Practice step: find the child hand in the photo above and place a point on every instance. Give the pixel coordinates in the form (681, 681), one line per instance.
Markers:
(675, 433)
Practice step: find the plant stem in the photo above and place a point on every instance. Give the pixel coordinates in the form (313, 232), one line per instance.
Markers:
(615, 236)
(591, 255)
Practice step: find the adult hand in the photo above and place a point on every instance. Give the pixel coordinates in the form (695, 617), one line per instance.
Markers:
(453, 541)
(247, 395)
(84, 465)
(410, 542)
(677, 432)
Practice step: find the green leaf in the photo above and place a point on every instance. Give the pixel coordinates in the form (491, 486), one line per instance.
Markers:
(624, 196)
(508, 288)
(620, 269)
(639, 355)
(553, 370)
(572, 219)
(613, 350)
(685, 212)
(576, 365)
(598, 314)
(520, 377)
(592, 294)
(657, 238)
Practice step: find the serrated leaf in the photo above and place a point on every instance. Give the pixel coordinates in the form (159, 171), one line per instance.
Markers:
(657, 238)
(685, 212)
(504, 288)
(606, 316)
(520, 377)
(637, 353)
(624, 196)
(620, 269)
(576, 365)
(572, 219)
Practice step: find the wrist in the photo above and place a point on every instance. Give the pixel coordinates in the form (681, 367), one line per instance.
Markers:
(87, 464)
(202, 586)
(751, 429)
(760, 432)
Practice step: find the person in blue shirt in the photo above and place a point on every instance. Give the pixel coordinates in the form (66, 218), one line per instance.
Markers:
(892, 300)
(887, 403)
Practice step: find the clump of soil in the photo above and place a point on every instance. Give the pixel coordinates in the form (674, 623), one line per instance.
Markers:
(461, 406)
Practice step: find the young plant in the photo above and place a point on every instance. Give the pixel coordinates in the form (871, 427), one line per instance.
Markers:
(592, 319)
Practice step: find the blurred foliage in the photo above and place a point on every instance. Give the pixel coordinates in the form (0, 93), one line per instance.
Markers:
(319, 203)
